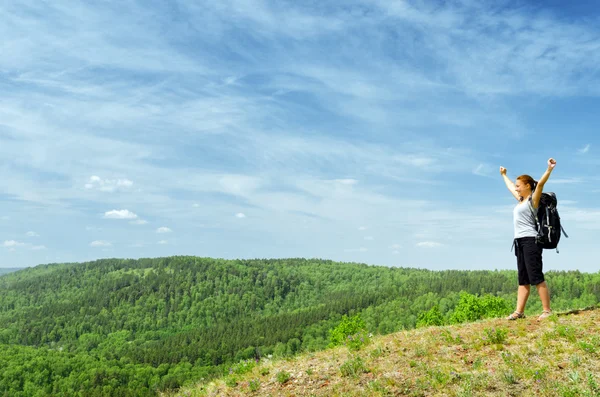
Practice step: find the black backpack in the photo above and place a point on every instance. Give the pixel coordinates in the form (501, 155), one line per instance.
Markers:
(547, 222)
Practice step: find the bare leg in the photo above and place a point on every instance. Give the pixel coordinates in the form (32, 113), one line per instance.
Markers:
(522, 296)
(544, 295)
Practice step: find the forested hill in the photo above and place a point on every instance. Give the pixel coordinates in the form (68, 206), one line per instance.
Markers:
(133, 327)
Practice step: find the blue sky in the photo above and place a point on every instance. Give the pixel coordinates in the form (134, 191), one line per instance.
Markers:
(362, 131)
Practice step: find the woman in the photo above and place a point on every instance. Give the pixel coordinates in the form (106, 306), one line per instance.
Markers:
(529, 254)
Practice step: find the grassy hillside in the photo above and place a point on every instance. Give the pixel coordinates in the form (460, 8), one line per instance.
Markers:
(557, 357)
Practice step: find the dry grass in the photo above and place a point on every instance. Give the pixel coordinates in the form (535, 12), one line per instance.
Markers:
(557, 357)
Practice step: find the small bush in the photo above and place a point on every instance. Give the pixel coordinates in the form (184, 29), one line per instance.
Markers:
(540, 374)
(282, 377)
(377, 352)
(243, 367)
(494, 336)
(254, 385)
(494, 306)
(588, 347)
(351, 331)
(509, 377)
(231, 381)
(593, 385)
(433, 317)
(566, 332)
(471, 308)
(353, 367)
(448, 338)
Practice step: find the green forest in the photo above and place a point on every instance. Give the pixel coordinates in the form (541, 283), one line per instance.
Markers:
(135, 327)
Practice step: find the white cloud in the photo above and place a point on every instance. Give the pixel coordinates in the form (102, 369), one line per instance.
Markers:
(107, 185)
(482, 170)
(38, 247)
(429, 244)
(346, 181)
(230, 80)
(32, 234)
(361, 249)
(139, 222)
(120, 214)
(415, 160)
(563, 181)
(100, 243)
(240, 215)
(587, 217)
(163, 229)
(163, 242)
(362, 228)
(12, 244)
(239, 185)
(585, 149)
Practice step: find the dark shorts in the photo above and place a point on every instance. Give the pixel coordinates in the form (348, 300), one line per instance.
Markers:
(529, 261)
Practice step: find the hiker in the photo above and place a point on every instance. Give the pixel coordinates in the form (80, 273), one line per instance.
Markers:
(529, 254)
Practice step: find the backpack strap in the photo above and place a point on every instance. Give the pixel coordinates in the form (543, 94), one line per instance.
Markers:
(537, 225)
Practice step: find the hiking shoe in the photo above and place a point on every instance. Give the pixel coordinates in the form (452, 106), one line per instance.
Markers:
(545, 314)
(515, 315)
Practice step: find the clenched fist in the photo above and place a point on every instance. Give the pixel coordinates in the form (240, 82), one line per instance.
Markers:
(502, 171)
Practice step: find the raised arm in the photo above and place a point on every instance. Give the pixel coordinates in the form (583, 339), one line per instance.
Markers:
(509, 184)
(537, 193)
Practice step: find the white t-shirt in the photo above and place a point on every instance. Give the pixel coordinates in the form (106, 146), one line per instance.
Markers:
(524, 222)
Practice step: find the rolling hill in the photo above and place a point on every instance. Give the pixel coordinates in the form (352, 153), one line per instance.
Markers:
(139, 327)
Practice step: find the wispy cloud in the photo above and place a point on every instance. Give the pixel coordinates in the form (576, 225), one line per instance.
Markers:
(482, 170)
(120, 214)
(163, 229)
(107, 185)
(32, 234)
(372, 114)
(100, 243)
(12, 244)
(360, 249)
(241, 185)
(429, 244)
(563, 181)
